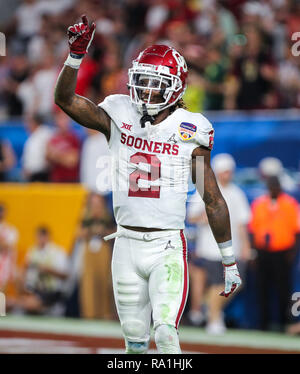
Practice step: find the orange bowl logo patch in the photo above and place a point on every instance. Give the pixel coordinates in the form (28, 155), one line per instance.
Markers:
(187, 131)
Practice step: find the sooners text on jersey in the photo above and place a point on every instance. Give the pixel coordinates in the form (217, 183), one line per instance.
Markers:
(151, 165)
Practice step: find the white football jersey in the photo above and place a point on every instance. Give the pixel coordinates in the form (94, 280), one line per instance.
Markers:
(151, 165)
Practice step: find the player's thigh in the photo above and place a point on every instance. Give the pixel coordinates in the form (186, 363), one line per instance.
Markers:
(130, 290)
(168, 285)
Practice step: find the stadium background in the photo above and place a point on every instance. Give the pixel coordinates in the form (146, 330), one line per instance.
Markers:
(258, 120)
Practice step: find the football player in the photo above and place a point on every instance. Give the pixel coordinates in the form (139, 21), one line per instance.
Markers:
(153, 141)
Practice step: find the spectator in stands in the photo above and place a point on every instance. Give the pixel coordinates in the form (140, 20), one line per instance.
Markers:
(263, 30)
(95, 288)
(63, 151)
(26, 94)
(214, 78)
(215, 20)
(206, 265)
(95, 163)
(194, 94)
(8, 242)
(274, 230)
(43, 82)
(45, 41)
(18, 73)
(179, 34)
(135, 13)
(112, 77)
(45, 274)
(255, 73)
(157, 14)
(272, 166)
(7, 159)
(27, 20)
(35, 165)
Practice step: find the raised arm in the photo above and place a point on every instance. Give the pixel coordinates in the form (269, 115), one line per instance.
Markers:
(81, 109)
(217, 214)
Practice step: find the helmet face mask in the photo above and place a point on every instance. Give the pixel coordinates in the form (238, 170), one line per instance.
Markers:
(151, 89)
(152, 81)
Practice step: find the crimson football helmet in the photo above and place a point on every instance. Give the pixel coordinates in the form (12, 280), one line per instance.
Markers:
(159, 69)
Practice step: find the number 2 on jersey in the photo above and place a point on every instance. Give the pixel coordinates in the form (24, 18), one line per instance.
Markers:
(154, 174)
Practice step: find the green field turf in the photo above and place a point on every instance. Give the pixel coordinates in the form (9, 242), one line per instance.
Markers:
(100, 328)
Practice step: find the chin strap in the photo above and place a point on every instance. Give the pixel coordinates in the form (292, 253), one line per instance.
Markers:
(146, 119)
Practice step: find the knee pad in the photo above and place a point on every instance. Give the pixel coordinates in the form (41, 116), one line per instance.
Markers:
(136, 336)
(166, 339)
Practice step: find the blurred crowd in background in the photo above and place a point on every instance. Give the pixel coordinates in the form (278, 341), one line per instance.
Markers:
(239, 52)
(240, 57)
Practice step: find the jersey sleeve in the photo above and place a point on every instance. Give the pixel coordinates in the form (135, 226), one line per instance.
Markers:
(205, 133)
(114, 105)
(107, 104)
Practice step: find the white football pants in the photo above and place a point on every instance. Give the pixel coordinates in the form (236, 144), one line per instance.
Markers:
(150, 274)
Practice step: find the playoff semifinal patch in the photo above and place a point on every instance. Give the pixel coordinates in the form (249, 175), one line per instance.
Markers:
(187, 130)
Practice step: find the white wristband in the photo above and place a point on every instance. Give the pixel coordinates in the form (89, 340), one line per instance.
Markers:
(226, 251)
(73, 62)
